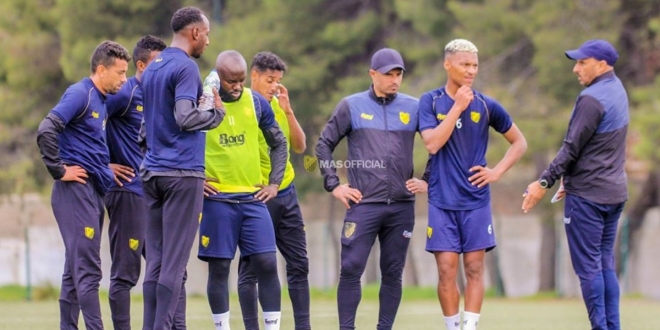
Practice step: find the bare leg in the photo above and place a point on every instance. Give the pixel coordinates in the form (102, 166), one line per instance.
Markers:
(474, 272)
(448, 292)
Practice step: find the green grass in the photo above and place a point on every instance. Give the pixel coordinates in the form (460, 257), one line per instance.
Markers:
(419, 310)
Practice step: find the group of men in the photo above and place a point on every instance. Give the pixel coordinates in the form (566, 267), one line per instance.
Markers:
(169, 170)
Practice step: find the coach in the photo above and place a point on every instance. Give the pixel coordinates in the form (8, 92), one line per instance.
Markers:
(591, 162)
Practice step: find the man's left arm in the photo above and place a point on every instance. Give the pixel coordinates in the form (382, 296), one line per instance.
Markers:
(275, 140)
(297, 135)
(501, 122)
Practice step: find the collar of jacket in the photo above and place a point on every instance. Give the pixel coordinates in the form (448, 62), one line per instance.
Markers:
(380, 100)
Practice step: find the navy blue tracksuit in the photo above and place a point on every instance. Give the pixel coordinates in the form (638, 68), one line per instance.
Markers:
(73, 134)
(380, 133)
(591, 162)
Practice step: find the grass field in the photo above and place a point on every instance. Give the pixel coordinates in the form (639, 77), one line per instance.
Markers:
(419, 311)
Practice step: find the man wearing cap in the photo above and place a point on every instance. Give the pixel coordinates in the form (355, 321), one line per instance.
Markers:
(455, 121)
(591, 164)
(380, 126)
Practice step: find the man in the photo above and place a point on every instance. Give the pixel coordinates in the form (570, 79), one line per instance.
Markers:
(72, 143)
(173, 169)
(234, 211)
(454, 121)
(266, 73)
(124, 200)
(380, 126)
(591, 163)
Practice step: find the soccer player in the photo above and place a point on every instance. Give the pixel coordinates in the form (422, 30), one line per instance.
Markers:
(266, 73)
(235, 213)
(380, 125)
(124, 201)
(72, 143)
(454, 121)
(173, 169)
(591, 163)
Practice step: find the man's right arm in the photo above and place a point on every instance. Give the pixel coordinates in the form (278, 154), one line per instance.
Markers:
(187, 114)
(70, 107)
(335, 130)
(47, 133)
(190, 118)
(435, 137)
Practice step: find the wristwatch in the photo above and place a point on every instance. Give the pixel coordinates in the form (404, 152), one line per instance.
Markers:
(543, 183)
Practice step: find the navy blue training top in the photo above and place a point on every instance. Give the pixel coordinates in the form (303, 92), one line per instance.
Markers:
(170, 77)
(125, 112)
(449, 187)
(593, 154)
(82, 142)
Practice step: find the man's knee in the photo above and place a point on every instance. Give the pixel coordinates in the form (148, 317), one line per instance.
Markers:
(474, 270)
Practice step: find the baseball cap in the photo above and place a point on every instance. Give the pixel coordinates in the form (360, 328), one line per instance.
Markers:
(599, 49)
(386, 59)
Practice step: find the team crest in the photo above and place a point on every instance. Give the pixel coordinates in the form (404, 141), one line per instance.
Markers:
(349, 229)
(89, 232)
(205, 241)
(95, 115)
(310, 163)
(429, 232)
(475, 116)
(139, 108)
(441, 116)
(133, 244)
(404, 117)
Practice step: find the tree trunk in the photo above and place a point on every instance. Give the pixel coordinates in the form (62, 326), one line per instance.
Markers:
(648, 198)
(548, 253)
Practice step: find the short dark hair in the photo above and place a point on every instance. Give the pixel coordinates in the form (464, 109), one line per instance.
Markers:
(267, 61)
(184, 17)
(145, 46)
(107, 52)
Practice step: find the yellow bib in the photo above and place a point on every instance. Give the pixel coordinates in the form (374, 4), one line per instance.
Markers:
(289, 173)
(232, 149)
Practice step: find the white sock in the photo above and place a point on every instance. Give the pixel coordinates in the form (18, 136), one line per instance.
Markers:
(470, 320)
(221, 321)
(272, 320)
(453, 322)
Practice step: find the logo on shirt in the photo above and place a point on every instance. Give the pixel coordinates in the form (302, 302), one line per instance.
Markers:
(158, 59)
(95, 115)
(429, 232)
(407, 234)
(227, 140)
(404, 117)
(441, 116)
(366, 116)
(139, 108)
(349, 229)
(133, 244)
(205, 241)
(475, 116)
(310, 163)
(89, 232)
(567, 220)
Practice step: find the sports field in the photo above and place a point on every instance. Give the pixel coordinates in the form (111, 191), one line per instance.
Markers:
(419, 311)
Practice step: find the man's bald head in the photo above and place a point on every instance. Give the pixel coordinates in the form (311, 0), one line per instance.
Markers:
(231, 61)
(232, 70)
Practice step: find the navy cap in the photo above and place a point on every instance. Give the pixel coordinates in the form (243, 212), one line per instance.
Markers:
(387, 59)
(599, 49)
